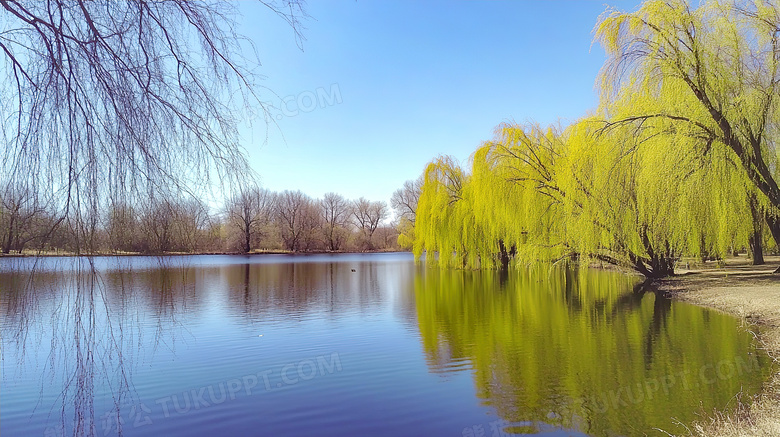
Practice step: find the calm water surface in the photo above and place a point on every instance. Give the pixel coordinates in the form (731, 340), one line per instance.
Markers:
(348, 345)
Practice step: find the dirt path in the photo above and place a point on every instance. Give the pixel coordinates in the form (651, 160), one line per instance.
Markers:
(753, 294)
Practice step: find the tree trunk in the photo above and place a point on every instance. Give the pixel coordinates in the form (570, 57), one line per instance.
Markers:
(9, 241)
(756, 248)
(247, 237)
(659, 263)
(662, 266)
(756, 240)
(703, 249)
(503, 255)
(773, 221)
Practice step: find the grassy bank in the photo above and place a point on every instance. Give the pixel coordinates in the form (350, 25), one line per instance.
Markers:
(751, 293)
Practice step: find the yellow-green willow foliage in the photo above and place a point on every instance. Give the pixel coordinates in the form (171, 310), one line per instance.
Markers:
(583, 350)
(591, 192)
(708, 73)
(648, 198)
(681, 159)
(405, 234)
(480, 219)
(445, 221)
(518, 200)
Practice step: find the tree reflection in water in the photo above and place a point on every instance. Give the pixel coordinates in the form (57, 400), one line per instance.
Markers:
(89, 324)
(571, 350)
(591, 351)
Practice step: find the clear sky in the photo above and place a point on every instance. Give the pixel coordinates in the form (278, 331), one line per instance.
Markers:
(382, 87)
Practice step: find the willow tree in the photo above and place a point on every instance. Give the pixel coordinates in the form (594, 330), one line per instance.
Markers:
(444, 224)
(709, 72)
(577, 195)
(506, 206)
(643, 200)
(580, 194)
(681, 160)
(107, 99)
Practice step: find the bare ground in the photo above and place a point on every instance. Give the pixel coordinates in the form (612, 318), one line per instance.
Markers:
(751, 293)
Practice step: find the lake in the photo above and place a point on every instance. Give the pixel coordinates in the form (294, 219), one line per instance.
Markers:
(354, 344)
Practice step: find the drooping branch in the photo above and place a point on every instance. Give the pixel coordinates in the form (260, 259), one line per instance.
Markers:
(110, 99)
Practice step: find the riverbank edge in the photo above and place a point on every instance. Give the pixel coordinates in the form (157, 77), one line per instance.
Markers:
(752, 294)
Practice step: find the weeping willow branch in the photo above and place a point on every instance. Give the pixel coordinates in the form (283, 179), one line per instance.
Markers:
(114, 99)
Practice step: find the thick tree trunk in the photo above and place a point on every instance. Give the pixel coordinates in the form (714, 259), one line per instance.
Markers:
(756, 248)
(247, 238)
(503, 255)
(703, 249)
(9, 241)
(756, 240)
(655, 268)
(661, 267)
(331, 240)
(650, 268)
(660, 262)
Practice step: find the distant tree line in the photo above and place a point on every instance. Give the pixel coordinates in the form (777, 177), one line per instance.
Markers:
(251, 219)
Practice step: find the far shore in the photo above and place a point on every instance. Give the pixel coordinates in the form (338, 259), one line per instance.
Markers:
(751, 293)
(27, 254)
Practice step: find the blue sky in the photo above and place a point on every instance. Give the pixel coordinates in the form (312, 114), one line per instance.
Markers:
(383, 87)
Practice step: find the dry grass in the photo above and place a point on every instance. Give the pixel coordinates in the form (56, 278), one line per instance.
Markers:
(753, 294)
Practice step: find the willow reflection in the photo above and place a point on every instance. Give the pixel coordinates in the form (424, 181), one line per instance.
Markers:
(584, 350)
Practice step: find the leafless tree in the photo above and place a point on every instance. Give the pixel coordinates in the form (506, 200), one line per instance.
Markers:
(335, 216)
(291, 212)
(122, 228)
(192, 221)
(23, 216)
(108, 97)
(368, 215)
(170, 224)
(157, 224)
(387, 236)
(248, 211)
(311, 226)
(404, 200)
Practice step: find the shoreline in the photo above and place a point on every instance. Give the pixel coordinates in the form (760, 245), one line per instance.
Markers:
(133, 254)
(752, 294)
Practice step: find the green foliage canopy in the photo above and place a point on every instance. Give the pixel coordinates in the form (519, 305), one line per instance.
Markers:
(680, 152)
